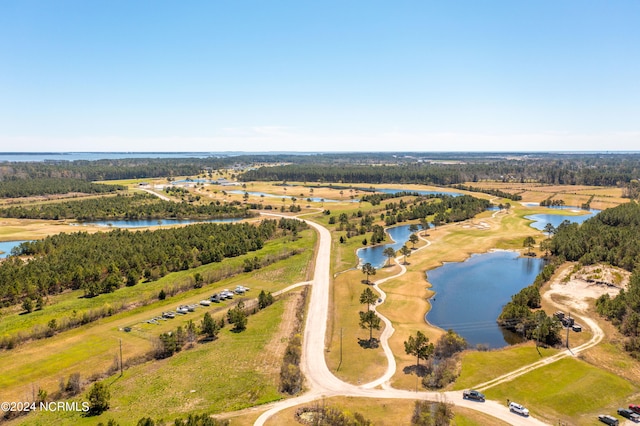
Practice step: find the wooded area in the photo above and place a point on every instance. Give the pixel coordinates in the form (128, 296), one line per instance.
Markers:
(103, 262)
(127, 207)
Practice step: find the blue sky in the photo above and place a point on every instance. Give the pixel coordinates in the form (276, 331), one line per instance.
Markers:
(123, 75)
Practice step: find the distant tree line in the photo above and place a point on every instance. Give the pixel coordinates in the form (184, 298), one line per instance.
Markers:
(592, 170)
(15, 188)
(432, 168)
(103, 262)
(126, 207)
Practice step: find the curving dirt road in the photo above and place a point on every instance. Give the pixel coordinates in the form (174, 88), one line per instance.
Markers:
(322, 383)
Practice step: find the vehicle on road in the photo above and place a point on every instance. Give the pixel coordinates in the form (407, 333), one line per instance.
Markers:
(629, 414)
(607, 419)
(514, 407)
(473, 394)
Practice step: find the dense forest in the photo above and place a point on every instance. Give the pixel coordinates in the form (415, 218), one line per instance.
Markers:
(444, 208)
(102, 262)
(15, 188)
(594, 171)
(127, 207)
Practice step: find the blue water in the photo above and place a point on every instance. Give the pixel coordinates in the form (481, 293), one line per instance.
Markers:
(542, 219)
(93, 156)
(266, 195)
(6, 246)
(421, 192)
(144, 223)
(192, 181)
(374, 255)
(470, 295)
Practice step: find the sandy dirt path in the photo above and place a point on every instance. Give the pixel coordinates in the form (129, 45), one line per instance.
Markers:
(322, 383)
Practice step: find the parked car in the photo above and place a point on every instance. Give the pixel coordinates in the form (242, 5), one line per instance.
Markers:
(607, 419)
(634, 408)
(473, 394)
(182, 309)
(514, 407)
(629, 414)
(205, 302)
(168, 315)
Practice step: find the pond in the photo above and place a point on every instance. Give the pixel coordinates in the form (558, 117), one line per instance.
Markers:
(541, 220)
(421, 192)
(145, 223)
(7, 246)
(374, 255)
(300, 199)
(470, 295)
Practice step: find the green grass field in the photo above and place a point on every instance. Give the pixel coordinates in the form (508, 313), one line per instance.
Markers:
(570, 389)
(230, 373)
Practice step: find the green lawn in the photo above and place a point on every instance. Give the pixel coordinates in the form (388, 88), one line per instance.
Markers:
(479, 367)
(569, 389)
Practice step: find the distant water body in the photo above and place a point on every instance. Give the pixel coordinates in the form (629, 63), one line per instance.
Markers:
(93, 156)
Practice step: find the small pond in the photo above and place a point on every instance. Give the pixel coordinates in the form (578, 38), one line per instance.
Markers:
(144, 223)
(470, 295)
(542, 219)
(374, 255)
(7, 246)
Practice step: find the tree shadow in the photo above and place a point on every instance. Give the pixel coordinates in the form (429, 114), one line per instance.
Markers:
(369, 344)
(419, 370)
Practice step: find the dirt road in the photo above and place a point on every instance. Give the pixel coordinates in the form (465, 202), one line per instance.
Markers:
(322, 383)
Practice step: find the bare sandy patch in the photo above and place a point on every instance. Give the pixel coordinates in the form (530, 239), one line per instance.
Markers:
(579, 289)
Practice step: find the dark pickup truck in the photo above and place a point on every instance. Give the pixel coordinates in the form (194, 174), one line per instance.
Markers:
(473, 394)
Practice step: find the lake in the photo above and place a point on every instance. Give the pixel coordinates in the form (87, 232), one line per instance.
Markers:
(541, 220)
(374, 255)
(470, 295)
(145, 223)
(7, 246)
(299, 199)
(421, 192)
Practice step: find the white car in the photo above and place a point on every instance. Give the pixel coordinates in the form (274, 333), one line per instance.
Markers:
(514, 407)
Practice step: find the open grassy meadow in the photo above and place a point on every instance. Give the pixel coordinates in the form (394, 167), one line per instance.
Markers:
(570, 390)
(235, 371)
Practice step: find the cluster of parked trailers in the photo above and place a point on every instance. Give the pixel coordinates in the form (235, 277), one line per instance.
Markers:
(567, 321)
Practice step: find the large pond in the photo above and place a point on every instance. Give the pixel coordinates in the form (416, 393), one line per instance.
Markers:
(419, 191)
(470, 295)
(541, 220)
(145, 223)
(374, 255)
(300, 199)
(7, 246)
